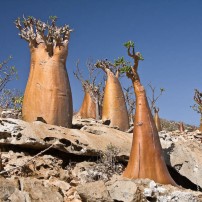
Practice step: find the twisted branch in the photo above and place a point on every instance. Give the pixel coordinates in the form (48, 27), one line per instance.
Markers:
(90, 85)
(33, 31)
(27, 162)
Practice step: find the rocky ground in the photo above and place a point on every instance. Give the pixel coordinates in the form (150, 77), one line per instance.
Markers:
(42, 162)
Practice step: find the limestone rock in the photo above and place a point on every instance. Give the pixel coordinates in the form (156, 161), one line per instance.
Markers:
(122, 190)
(134, 191)
(94, 192)
(26, 189)
(183, 153)
(38, 135)
(10, 113)
(79, 157)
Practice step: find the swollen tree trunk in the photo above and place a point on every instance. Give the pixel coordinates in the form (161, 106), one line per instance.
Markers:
(146, 158)
(91, 105)
(157, 121)
(88, 107)
(200, 127)
(48, 93)
(181, 127)
(114, 106)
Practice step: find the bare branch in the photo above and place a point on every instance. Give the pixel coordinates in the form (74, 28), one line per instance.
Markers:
(130, 102)
(103, 64)
(6, 73)
(90, 85)
(154, 98)
(198, 99)
(33, 31)
(27, 162)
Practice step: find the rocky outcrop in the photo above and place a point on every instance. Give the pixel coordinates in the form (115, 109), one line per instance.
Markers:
(183, 154)
(124, 190)
(60, 161)
(88, 141)
(10, 113)
(26, 189)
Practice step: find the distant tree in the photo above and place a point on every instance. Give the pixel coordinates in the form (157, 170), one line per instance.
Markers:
(146, 158)
(48, 93)
(198, 105)
(92, 102)
(7, 73)
(154, 109)
(181, 127)
(114, 109)
(130, 102)
(11, 98)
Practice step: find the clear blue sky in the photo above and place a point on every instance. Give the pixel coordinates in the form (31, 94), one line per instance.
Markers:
(168, 33)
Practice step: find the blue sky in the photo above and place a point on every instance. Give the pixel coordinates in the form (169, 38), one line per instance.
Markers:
(168, 33)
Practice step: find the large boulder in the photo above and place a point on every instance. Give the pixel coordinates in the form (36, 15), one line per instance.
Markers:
(125, 190)
(88, 140)
(26, 189)
(183, 155)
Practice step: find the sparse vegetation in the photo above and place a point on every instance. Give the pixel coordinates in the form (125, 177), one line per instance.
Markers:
(107, 165)
(7, 73)
(11, 99)
(198, 105)
(130, 102)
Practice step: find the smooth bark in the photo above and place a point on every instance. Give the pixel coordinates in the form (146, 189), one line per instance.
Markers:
(114, 106)
(88, 107)
(157, 121)
(146, 158)
(48, 93)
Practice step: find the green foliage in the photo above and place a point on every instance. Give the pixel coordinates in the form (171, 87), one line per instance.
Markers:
(11, 99)
(53, 18)
(140, 57)
(125, 69)
(162, 90)
(30, 17)
(124, 66)
(198, 102)
(197, 108)
(7, 73)
(129, 44)
(119, 61)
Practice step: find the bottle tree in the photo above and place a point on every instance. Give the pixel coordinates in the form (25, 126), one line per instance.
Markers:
(157, 120)
(93, 94)
(48, 94)
(181, 127)
(114, 109)
(146, 158)
(155, 110)
(198, 106)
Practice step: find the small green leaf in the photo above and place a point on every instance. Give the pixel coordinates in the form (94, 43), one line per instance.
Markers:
(125, 69)
(140, 57)
(129, 44)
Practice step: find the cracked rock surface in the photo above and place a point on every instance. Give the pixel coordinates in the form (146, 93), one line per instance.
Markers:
(85, 163)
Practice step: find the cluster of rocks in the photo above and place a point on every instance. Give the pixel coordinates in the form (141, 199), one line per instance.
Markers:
(125, 190)
(10, 113)
(42, 162)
